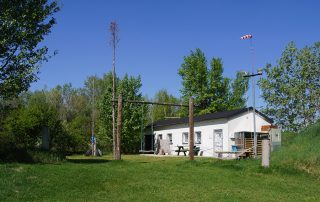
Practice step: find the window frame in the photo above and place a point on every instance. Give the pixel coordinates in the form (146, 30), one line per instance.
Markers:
(196, 137)
(169, 137)
(183, 138)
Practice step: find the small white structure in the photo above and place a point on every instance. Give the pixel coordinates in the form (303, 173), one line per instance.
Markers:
(216, 134)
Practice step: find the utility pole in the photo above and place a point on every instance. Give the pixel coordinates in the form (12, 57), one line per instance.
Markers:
(93, 139)
(114, 42)
(119, 128)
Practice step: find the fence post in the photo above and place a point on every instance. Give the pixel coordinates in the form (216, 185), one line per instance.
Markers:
(265, 161)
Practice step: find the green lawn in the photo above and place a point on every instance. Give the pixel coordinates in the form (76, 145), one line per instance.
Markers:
(140, 178)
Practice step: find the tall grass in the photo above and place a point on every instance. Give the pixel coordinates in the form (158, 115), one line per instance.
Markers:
(301, 151)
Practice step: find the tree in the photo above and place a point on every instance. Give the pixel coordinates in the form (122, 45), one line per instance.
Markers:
(194, 73)
(23, 25)
(132, 117)
(74, 111)
(24, 124)
(239, 88)
(212, 91)
(291, 89)
(160, 111)
(218, 88)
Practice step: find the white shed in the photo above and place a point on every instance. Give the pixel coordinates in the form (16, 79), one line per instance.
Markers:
(215, 133)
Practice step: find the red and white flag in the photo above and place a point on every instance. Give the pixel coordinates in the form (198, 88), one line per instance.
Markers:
(247, 36)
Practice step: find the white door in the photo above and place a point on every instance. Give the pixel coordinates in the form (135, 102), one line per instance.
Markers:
(218, 141)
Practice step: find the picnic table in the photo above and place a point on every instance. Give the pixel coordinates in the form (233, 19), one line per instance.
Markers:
(181, 149)
(184, 150)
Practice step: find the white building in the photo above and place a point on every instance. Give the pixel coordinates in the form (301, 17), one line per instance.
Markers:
(216, 132)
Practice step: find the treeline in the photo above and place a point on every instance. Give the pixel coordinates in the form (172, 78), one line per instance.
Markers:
(69, 113)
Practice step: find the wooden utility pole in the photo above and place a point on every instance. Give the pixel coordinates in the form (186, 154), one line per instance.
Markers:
(114, 42)
(191, 130)
(93, 139)
(119, 127)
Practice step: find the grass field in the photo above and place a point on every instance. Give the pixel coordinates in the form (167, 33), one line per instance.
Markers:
(140, 178)
(294, 176)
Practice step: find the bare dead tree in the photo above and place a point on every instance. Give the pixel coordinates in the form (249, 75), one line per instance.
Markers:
(114, 30)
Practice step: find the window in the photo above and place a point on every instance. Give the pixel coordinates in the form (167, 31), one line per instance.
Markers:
(160, 136)
(185, 138)
(169, 137)
(198, 137)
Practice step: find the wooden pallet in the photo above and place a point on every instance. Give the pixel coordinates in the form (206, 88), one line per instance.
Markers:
(249, 143)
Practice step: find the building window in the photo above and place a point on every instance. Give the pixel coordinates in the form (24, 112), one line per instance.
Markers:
(160, 136)
(169, 137)
(185, 138)
(198, 137)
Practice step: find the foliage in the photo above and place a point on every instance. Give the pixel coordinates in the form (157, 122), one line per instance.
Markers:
(212, 91)
(69, 112)
(291, 89)
(239, 88)
(133, 114)
(74, 112)
(160, 111)
(23, 126)
(218, 88)
(23, 25)
(194, 79)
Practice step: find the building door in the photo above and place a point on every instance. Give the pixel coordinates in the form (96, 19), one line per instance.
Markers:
(218, 142)
(148, 142)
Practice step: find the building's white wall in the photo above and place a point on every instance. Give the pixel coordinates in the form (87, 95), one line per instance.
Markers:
(244, 122)
(241, 122)
(206, 128)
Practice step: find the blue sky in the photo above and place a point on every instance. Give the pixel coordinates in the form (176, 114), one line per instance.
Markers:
(155, 35)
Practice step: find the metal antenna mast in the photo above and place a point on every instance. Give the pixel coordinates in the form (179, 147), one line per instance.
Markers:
(252, 75)
(255, 139)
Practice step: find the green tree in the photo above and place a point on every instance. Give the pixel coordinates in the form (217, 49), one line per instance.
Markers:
(218, 88)
(74, 110)
(160, 111)
(194, 74)
(133, 114)
(239, 88)
(24, 124)
(212, 91)
(23, 25)
(291, 89)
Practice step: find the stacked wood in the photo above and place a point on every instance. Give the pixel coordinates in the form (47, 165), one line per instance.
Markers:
(248, 143)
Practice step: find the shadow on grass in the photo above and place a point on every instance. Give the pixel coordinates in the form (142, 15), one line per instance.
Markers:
(88, 161)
